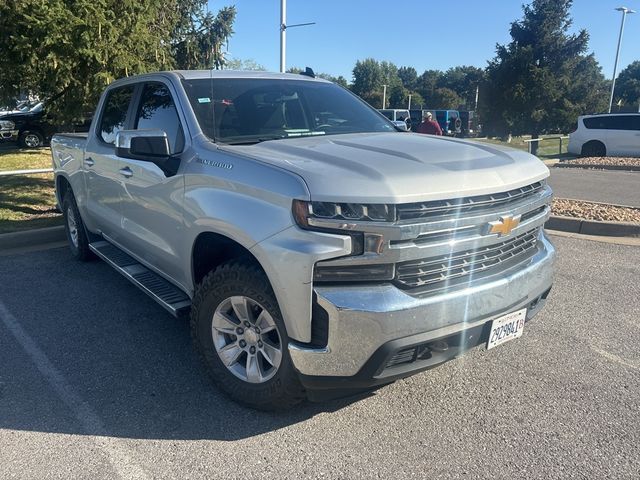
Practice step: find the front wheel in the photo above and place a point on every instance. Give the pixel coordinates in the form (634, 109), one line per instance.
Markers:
(238, 331)
(31, 139)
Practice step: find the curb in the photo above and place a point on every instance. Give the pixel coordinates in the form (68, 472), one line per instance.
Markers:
(29, 238)
(592, 227)
(598, 166)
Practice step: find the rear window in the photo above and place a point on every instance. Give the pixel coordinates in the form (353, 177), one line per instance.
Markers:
(613, 122)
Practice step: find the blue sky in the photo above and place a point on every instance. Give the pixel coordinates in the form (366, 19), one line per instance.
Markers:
(424, 34)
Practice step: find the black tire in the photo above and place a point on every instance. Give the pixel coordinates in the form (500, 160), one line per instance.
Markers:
(30, 139)
(593, 148)
(76, 236)
(243, 278)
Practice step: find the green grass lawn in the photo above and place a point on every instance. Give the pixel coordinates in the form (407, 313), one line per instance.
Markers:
(27, 201)
(25, 158)
(547, 148)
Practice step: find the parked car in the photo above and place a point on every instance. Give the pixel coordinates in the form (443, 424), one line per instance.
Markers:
(608, 134)
(416, 116)
(397, 115)
(469, 126)
(449, 121)
(317, 250)
(30, 127)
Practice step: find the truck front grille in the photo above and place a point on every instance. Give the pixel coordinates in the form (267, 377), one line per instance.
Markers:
(459, 265)
(466, 205)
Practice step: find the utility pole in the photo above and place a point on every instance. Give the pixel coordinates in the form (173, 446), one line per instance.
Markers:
(409, 106)
(624, 11)
(477, 93)
(283, 33)
(384, 96)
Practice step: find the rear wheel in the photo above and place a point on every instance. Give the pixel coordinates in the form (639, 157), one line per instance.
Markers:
(239, 333)
(74, 228)
(593, 148)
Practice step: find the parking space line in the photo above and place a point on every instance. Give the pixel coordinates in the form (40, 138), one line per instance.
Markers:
(114, 449)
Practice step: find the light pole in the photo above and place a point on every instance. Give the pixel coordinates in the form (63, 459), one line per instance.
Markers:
(384, 96)
(409, 106)
(624, 11)
(283, 33)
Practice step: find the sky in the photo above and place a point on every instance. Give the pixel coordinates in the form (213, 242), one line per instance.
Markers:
(424, 34)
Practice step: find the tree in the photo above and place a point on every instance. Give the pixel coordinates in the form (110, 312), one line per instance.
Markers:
(446, 99)
(531, 83)
(409, 77)
(367, 81)
(463, 81)
(428, 82)
(239, 64)
(628, 87)
(69, 51)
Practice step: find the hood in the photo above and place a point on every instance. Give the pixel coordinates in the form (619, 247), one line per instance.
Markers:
(397, 167)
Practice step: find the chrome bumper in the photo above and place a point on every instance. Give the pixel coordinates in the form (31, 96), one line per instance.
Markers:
(363, 318)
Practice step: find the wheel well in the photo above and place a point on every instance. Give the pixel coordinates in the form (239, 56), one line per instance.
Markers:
(211, 250)
(62, 187)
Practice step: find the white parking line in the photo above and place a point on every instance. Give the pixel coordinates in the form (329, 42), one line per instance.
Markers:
(113, 448)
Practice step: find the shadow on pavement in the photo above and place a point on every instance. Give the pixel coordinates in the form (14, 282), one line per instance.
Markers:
(129, 361)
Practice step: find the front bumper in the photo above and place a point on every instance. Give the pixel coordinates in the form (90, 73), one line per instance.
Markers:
(368, 325)
(9, 135)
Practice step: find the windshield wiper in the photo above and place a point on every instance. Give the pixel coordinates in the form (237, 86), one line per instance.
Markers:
(257, 140)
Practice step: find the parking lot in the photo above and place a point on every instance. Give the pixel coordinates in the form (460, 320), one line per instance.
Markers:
(97, 381)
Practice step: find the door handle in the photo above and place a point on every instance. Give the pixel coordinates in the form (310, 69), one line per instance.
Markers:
(126, 172)
(89, 162)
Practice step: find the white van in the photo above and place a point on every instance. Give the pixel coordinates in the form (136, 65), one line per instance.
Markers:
(610, 134)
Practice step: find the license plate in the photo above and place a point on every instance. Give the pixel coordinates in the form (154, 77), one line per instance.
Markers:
(506, 328)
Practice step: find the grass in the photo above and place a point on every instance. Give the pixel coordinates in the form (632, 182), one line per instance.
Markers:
(547, 148)
(27, 201)
(24, 158)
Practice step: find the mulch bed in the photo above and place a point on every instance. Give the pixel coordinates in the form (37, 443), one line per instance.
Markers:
(608, 161)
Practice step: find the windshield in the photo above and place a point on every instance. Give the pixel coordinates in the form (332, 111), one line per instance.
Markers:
(242, 111)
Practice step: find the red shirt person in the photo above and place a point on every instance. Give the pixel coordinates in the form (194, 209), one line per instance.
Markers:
(429, 126)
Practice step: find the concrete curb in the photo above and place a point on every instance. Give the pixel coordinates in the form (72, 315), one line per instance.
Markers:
(593, 227)
(28, 238)
(627, 168)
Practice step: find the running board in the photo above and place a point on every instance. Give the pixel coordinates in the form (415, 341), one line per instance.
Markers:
(174, 300)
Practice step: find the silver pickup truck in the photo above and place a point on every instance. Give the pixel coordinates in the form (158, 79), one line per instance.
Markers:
(318, 250)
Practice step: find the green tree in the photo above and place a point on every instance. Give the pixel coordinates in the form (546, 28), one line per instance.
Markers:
(408, 77)
(428, 82)
(530, 83)
(66, 52)
(446, 99)
(463, 81)
(628, 87)
(239, 64)
(367, 81)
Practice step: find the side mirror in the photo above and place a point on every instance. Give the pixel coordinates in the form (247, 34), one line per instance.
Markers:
(401, 125)
(149, 145)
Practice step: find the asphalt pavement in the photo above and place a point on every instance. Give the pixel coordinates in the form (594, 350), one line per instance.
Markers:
(608, 186)
(97, 381)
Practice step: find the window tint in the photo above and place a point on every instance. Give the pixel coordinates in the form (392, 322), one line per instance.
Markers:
(158, 111)
(251, 110)
(613, 122)
(114, 114)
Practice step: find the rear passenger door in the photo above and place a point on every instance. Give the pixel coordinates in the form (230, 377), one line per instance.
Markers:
(101, 165)
(152, 199)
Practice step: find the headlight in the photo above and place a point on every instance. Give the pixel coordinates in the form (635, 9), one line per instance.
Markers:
(7, 125)
(367, 212)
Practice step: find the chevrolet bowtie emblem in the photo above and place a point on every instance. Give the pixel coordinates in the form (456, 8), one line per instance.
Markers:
(505, 224)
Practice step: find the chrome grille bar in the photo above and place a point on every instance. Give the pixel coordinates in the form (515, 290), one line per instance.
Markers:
(457, 206)
(430, 271)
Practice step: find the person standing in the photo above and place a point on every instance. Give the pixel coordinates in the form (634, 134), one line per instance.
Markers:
(429, 126)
